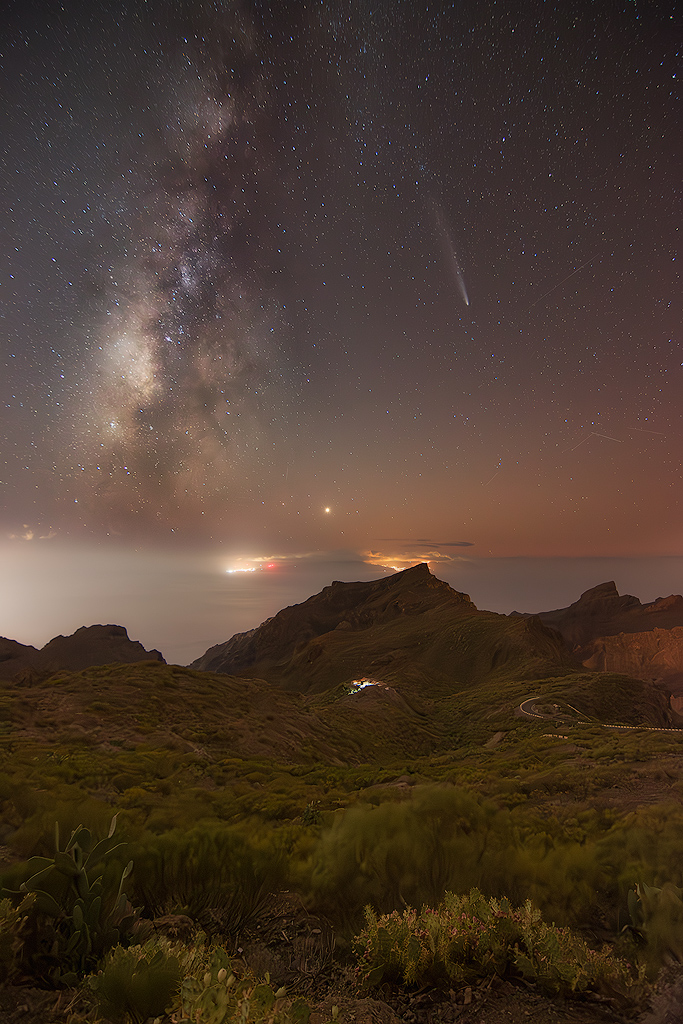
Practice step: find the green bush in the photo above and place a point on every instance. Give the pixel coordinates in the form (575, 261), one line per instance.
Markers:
(646, 843)
(138, 983)
(191, 985)
(407, 852)
(469, 937)
(410, 851)
(567, 879)
(213, 874)
(69, 805)
(444, 838)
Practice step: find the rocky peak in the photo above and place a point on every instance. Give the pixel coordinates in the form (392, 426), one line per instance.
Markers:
(602, 590)
(605, 598)
(95, 645)
(603, 611)
(89, 645)
(354, 606)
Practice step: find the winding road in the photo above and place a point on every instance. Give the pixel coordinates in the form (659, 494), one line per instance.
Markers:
(528, 710)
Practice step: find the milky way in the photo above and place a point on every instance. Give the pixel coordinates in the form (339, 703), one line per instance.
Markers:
(188, 381)
(182, 380)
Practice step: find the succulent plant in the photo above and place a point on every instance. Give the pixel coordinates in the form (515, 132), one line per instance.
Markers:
(74, 920)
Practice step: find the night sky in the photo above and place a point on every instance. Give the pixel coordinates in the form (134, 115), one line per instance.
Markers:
(337, 283)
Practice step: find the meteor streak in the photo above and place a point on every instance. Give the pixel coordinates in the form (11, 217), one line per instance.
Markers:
(541, 297)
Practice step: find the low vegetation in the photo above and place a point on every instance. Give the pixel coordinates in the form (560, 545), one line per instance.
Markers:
(468, 937)
(189, 984)
(484, 844)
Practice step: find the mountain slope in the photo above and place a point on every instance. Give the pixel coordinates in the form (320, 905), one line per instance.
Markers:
(410, 628)
(351, 606)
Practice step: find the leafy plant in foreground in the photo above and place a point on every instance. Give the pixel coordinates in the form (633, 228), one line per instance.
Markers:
(219, 997)
(192, 985)
(73, 920)
(469, 937)
(13, 922)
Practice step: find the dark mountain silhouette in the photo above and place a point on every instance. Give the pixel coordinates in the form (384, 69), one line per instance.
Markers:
(340, 606)
(602, 612)
(89, 645)
(11, 650)
(407, 627)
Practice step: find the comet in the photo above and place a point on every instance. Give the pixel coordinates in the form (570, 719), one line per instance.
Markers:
(449, 252)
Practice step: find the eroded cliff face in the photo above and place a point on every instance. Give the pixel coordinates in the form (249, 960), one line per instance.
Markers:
(655, 655)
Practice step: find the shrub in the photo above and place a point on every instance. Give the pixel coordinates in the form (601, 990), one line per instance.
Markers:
(69, 805)
(647, 844)
(568, 880)
(213, 874)
(407, 852)
(469, 937)
(312, 814)
(139, 982)
(444, 838)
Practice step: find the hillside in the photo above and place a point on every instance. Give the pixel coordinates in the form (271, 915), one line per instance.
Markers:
(151, 704)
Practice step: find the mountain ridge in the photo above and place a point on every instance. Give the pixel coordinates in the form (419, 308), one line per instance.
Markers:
(407, 629)
(603, 611)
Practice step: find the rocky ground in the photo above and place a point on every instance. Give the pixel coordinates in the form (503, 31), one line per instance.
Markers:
(499, 1003)
(298, 949)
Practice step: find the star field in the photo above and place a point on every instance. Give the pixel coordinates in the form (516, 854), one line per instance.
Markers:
(393, 278)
